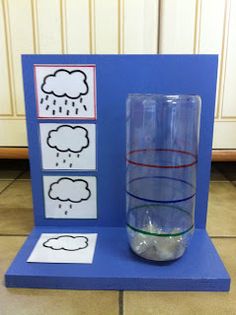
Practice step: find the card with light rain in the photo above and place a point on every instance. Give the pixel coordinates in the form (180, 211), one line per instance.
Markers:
(65, 91)
(70, 197)
(68, 146)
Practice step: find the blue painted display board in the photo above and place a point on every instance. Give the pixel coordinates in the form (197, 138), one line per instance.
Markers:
(56, 109)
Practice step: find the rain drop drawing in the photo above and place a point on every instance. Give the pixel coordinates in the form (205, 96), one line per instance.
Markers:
(69, 142)
(64, 91)
(68, 192)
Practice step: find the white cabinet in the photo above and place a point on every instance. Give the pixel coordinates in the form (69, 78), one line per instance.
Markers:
(205, 27)
(116, 26)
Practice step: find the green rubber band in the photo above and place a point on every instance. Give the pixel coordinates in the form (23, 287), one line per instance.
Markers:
(159, 235)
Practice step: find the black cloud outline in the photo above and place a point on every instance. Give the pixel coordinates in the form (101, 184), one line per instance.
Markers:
(69, 250)
(55, 130)
(65, 94)
(76, 180)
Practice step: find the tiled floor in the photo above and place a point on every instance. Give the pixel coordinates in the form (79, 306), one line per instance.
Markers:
(17, 221)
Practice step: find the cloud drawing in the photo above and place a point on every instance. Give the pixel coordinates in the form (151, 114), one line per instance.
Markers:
(64, 83)
(67, 242)
(67, 189)
(67, 138)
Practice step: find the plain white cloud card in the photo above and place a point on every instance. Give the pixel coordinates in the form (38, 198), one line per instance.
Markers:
(64, 91)
(68, 146)
(70, 197)
(64, 248)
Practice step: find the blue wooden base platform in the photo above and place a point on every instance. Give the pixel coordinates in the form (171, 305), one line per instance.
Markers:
(115, 267)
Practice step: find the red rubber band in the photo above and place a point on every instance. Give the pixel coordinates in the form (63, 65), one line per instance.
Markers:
(162, 166)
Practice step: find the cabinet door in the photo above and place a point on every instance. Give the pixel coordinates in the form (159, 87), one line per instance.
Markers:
(206, 27)
(65, 26)
(16, 37)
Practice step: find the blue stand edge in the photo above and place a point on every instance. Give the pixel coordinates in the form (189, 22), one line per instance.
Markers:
(115, 267)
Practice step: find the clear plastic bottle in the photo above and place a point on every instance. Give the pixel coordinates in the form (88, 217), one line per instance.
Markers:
(162, 148)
